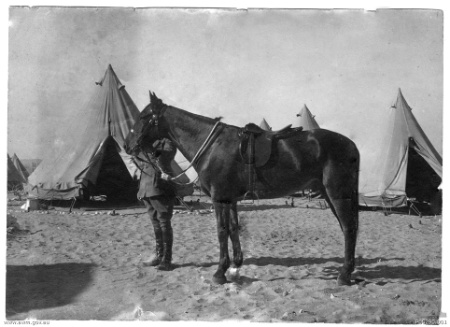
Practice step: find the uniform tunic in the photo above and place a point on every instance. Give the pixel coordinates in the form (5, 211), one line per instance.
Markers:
(151, 184)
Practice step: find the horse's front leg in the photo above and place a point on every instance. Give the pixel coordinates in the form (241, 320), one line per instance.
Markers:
(234, 236)
(223, 231)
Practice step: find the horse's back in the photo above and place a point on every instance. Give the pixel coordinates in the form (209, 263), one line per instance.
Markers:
(328, 143)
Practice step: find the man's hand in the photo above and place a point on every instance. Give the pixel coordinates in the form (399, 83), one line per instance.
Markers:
(165, 177)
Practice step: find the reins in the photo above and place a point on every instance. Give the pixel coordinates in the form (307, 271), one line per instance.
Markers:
(199, 153)
(201, 150)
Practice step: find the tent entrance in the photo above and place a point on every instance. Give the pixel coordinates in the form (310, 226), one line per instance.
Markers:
(114, 180)
(422, 181)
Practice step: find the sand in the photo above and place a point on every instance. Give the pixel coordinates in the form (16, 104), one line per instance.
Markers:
(87, 265)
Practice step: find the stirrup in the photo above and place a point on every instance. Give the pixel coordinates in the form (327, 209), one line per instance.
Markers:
(249, 196)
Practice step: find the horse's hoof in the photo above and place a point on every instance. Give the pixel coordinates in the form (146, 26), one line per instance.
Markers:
(165, 267)
(219, 279)
(234, 272)
(341, 281)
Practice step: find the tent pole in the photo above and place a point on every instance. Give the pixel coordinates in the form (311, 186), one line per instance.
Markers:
(72, 205)
(184, 203)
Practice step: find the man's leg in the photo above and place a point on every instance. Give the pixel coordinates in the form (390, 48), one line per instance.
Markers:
(164, 208)
(159, 248)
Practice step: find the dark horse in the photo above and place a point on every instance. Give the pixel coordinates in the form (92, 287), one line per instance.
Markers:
(317, 156)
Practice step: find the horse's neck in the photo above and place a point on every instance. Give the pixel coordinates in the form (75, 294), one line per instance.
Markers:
(187, 130)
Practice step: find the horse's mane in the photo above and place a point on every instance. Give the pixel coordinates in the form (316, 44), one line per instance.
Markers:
(197, 116)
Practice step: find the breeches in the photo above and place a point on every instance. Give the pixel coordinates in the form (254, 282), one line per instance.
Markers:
(160, 211)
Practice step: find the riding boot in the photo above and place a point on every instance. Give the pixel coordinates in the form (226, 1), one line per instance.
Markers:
(166, 261)
(159, 249)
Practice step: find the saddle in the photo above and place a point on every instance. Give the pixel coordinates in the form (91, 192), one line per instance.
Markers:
(256, 144)
(257, 148)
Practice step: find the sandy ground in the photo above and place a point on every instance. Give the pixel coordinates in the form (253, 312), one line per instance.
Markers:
(88, 265)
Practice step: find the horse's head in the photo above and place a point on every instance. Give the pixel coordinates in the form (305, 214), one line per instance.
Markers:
(149, 127)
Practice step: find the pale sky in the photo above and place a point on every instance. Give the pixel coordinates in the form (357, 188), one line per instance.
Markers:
(244, 65)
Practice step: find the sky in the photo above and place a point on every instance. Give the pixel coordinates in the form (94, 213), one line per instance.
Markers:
(244, 65)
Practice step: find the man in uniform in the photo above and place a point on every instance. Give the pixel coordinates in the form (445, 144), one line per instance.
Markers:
(158, 195)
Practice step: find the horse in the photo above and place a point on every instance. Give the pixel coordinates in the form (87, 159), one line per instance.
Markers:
(319, 156)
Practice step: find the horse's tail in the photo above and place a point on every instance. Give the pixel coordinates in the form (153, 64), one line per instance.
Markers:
(355, 192)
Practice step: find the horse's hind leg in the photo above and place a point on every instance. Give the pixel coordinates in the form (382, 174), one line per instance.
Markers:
(349, 223)
(344, 205)
(234, 236)
(222, 218)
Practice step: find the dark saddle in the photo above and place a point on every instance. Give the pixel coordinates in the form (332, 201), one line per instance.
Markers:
(256, 144)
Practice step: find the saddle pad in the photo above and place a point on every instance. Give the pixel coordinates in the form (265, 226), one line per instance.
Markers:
(262, 152)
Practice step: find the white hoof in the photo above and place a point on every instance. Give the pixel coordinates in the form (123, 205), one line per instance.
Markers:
(234, 272)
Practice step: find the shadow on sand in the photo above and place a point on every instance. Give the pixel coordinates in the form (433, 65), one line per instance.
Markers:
(380, 271)
(44, 286)
(290, 262)
(411, 273)
(369, 274)
(256, 207)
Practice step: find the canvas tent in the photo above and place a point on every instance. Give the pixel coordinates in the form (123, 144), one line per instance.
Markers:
(409, 166)
(30, 164)
(15, 178)
(264, 125)
(306, 119)
(93, 162)
(20, 167)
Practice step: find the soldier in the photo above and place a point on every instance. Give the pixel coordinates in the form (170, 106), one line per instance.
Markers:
(158, 195)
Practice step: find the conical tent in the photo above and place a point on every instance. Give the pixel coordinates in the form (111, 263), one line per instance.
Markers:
(410, 167)
(30, 164)
(15, 179)
(20, 167)
(95, 161)
(306, 119)
(264, 125)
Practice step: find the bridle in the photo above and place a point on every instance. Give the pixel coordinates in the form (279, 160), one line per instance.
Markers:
(154, 122)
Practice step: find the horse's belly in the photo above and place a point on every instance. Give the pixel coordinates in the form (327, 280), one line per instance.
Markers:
(271, 188)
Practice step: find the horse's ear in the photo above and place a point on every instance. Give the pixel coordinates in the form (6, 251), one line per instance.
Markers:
(153, 97)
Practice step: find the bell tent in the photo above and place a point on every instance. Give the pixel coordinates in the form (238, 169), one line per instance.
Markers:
(264, 125)
(30, 164)
(15, 178)
(20, 167)
(306, 120)
(409, 166)
(95, 162)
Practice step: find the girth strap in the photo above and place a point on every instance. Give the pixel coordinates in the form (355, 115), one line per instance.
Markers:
(251, 168)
